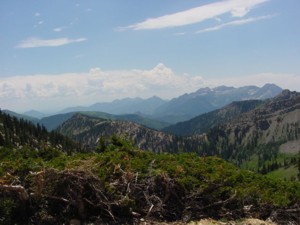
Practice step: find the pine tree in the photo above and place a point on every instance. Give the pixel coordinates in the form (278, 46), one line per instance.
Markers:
(299, 166)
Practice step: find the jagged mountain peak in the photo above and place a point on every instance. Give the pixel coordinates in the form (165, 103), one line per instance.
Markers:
(285, 100)
(286, 94)
(271, 85)
(136, 99)
(203, 90)
(223, 88)
(208, 99)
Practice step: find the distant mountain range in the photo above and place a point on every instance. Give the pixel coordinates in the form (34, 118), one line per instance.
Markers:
(123, 106)
(185, 106)
(205, 100)
(35, 114)
(155, 112)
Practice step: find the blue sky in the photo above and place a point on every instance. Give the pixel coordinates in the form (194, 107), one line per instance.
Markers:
(67, 52)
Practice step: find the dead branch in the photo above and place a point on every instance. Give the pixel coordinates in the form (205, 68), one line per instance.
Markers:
(219, 202)
(39, 181)
(23, 195)
(150, 209)
(57, 198)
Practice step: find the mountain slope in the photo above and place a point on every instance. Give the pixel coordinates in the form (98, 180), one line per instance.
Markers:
(273, 126)
(206, 121)
(142, 120)
(88, 130)
(52, 122)
(21, 116)
(22, 134)
(205, 100)
(263, 137)
(123, 106)
(35, 114)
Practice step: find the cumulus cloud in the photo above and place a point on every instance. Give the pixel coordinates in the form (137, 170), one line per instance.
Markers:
(46, 92)
(237, 8)
(59, 91)
(37, 42)
(235, 23)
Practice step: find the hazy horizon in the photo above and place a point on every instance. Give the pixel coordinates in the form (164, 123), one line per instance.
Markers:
(55, 110)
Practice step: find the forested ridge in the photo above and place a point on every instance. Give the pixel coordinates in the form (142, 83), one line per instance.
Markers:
(19, 133)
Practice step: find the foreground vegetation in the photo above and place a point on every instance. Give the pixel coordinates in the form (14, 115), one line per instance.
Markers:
(121, 184)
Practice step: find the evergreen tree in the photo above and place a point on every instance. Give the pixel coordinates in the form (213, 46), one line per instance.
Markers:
(299, 167)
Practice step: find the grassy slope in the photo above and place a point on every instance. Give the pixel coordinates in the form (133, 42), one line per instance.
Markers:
(286, 173)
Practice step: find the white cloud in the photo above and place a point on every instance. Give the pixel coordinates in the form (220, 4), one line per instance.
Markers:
(36, 42)
(46, 92)
(62, 90)
(235, 23)
(58, 29)
(218, 19)
(179, 34)
(40, 22)
(237, 8)
(37, 14)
